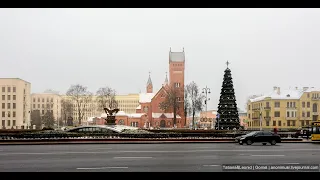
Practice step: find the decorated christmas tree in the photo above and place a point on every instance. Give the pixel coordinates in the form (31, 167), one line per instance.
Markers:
(227, 117)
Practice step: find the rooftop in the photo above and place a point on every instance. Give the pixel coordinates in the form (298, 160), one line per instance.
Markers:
(145, 97)
(291, 93)
(176, 56)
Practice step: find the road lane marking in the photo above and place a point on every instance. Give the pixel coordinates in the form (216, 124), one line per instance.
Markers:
(132, 157)
(212, 165)
(185, 151)
(289, 163)
(268, 155)
(99, 148)
(103, 168)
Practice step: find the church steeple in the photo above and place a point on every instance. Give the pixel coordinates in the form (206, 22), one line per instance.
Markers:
(166, 82)
(149, 85)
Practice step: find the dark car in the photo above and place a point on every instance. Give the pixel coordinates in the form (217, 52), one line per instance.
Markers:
(260, 137)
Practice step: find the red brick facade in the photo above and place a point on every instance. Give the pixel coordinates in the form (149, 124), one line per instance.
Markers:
(149, 114)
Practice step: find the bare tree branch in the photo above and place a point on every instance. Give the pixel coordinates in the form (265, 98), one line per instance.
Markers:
(172, 102)
(82, 98)
(186, 104)
(66, 108)
(106, 98)
(195, 98)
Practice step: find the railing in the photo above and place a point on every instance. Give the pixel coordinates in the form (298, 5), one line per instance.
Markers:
(267, 118)
(267, 108)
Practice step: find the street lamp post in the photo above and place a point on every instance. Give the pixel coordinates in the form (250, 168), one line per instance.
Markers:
(260, 123)
(206, 90)
(57, 113)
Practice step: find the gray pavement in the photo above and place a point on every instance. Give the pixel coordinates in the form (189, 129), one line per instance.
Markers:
(151, 157)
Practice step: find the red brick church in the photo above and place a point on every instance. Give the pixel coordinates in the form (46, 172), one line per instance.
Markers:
(148, 113)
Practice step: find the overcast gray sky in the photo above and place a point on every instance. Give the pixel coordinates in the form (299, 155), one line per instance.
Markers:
(54, 48)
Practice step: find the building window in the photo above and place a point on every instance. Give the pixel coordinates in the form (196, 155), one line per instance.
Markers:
(13, 114)
(315, 107)
(3, 89)
(8, 106)
(38, 105)
(9, 114)
(176, 85)
(288, 123)
(3, 105)
(308, 104)
(277, 114)
(42, 112)
(3, 123)
(14, 89)
(34, 106)
(249, 107)
(308, 114)
(42, 105)
(9, 89)
(121, 122)
(279, 123)
(267, 123)
(8, 122)
(3, 97)
(288, 114)
(308, 95)
(34, 99)
(249, 116)
(303, 114)
(277, 104)
(13, 122)
(293, 123)
(9, 97)
(292, 114)
(274, 123)
(145, 108)
(14, 105)
(303, 104)
(288, 104)
(294, 104)
(42, 99)
(3, 114)
(14, 97)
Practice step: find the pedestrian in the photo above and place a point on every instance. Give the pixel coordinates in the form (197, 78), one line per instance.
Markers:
(275, 130)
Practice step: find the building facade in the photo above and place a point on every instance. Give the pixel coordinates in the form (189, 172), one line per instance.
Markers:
(208, 119)
(127, 103)
(15, 103)
(284, 109)
(148, 113)
(150, 101)
(47, 102)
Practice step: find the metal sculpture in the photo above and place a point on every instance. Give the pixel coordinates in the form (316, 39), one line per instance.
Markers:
(111, 118)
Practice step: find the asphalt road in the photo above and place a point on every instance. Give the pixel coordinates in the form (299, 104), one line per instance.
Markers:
(151, 157)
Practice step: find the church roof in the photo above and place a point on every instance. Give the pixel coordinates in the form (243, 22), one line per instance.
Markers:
(168, 115)
(149, 80)
(176, 56)
(145, 97)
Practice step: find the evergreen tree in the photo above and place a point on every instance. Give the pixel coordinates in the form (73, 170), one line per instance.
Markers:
(228, 117)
